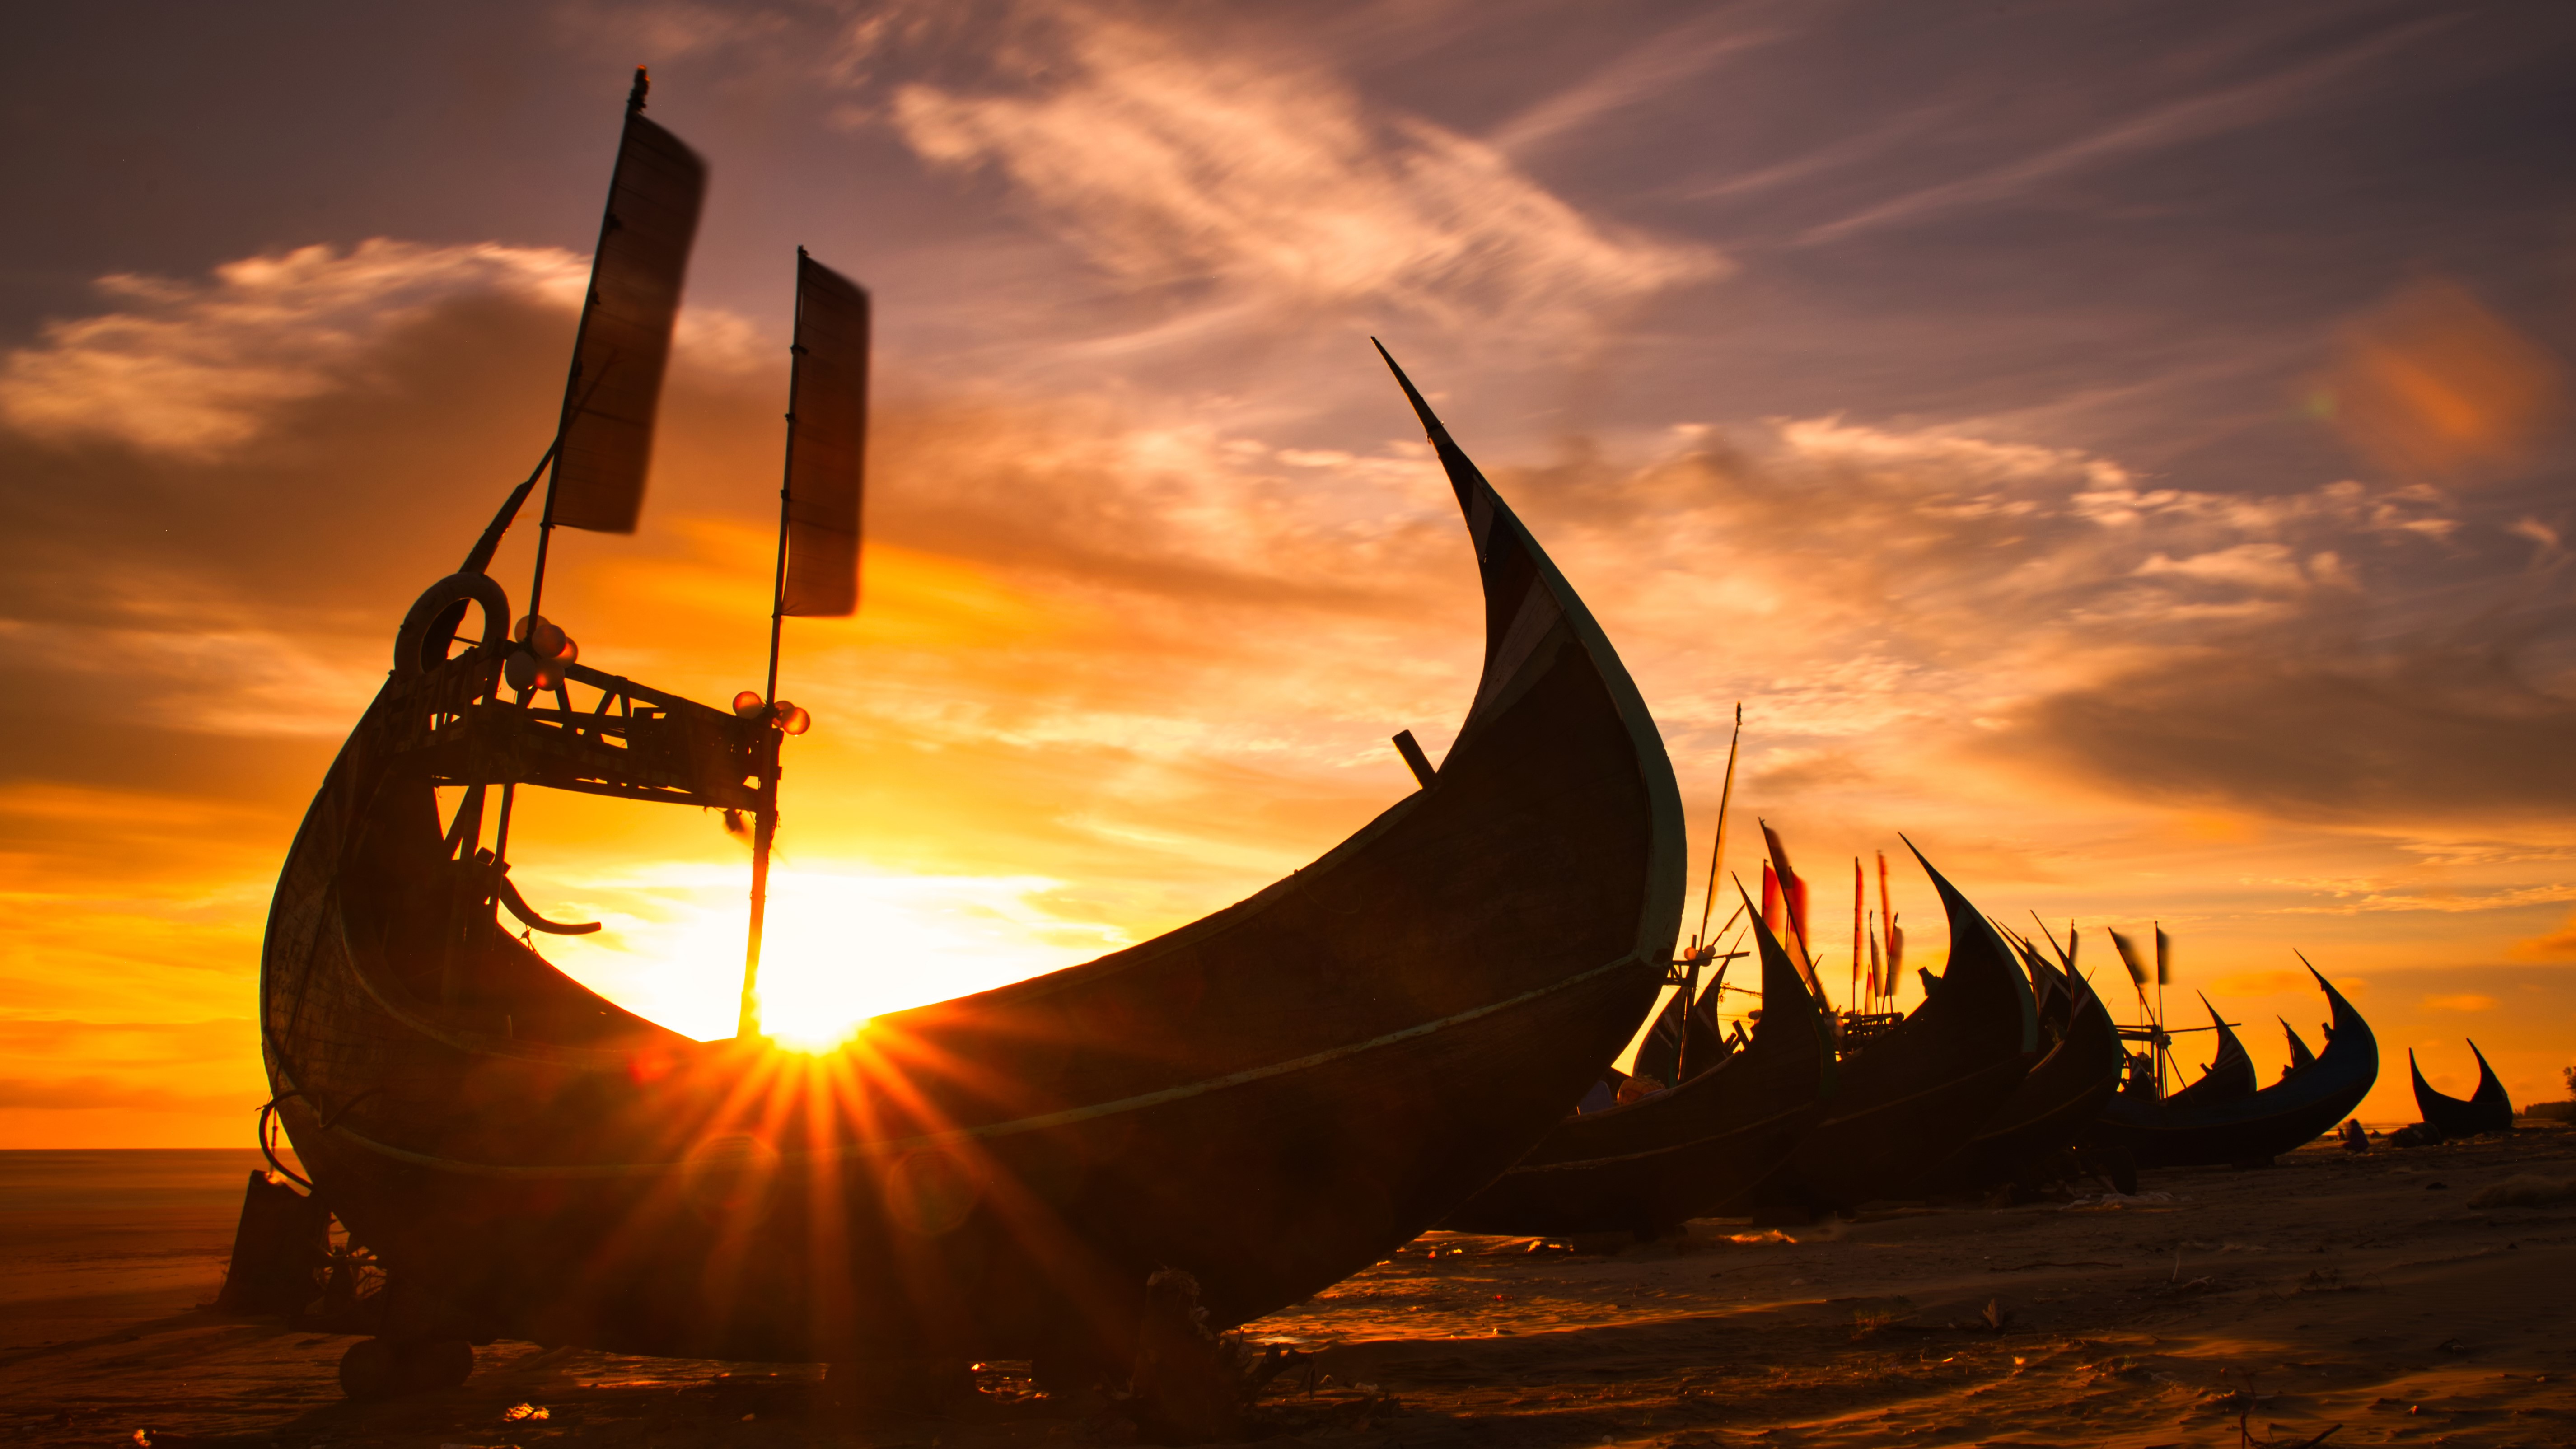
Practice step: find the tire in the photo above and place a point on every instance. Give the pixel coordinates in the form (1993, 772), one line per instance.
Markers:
(421, 644)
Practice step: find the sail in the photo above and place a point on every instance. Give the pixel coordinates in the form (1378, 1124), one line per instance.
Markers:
(827, 434)
(625, 342)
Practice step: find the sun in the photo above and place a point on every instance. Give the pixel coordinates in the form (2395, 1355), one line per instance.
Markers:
(843, 944)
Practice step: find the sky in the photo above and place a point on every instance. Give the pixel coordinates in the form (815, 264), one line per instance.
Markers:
(2124, 448)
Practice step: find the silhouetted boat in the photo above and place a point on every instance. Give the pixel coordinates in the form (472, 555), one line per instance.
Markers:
(1916, 1093)
(1646, 1166)
(2229, 1077)
(2254, 1129)
(1269, 1098)
(2050, 1108)
(2488, 1109)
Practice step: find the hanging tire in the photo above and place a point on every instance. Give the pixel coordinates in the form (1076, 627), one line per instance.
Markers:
(421, 644)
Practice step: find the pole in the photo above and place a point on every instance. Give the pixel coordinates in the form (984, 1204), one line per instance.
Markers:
(765, 824)
(2159, 928)
(1717, 851)
(1860, 909)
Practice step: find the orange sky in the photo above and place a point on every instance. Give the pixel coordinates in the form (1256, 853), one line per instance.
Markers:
(1157, 561)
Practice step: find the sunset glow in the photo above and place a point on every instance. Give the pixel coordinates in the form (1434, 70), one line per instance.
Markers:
(2144, 486)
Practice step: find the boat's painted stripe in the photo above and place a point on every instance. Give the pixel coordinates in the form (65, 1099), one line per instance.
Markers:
(1040, 1123)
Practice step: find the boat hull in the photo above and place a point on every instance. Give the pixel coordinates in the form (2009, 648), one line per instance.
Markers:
(2252, 1129)
(2051, 1107)
(1269, 1099)
(1649, 1165)
(1913, 1096)
(2488, 1109)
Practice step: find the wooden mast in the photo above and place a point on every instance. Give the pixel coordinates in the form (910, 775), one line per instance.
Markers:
(817, 571)
(1717, 851)
(764, 828)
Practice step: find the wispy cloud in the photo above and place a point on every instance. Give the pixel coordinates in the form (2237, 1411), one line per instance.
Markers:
(197, 365)
(1266, 176)
(1645, 72)
(2158, 127)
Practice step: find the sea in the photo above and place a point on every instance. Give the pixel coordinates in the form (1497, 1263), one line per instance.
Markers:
(91, 1240)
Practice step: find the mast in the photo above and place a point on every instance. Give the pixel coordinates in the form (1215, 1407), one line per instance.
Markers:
(1717, 851)
(594, 468)
(1860, 911)
(764, 830)
(817, 570)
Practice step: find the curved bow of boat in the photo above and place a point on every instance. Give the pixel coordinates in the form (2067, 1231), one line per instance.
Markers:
(2229, 1076)
(2488, 1109)
(1913, 1095)
(2261, 1126)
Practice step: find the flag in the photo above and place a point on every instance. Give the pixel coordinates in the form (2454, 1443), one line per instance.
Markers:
(606, 432)
(2128, 950)
(827, 436)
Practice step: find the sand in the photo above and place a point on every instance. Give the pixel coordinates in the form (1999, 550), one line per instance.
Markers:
(2362, 1294)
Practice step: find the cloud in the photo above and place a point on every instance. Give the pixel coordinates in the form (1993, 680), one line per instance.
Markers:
(2172, 123)
(198, 366)
(2460, 1001)
(2263, 983)
(2558, 945)
(1261, 174)
(1643, 72)
(2420, 734)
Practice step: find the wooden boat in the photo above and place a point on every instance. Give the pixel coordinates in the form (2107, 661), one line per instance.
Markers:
(1916, 1093)
(2050, 1108)
(1269, 1098)
(2488, 1109)
(1648, 1165)
(2254, 1129)
(2229, 1077)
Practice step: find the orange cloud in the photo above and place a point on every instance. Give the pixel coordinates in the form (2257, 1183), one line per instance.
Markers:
(2460, 1001)
(2264, 983)
(2558, 945)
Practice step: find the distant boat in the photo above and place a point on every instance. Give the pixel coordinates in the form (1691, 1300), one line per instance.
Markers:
(2229, 1077)
(2251, 1129)
(1647, 1166)
(1914, 1094)
(2488, 1109)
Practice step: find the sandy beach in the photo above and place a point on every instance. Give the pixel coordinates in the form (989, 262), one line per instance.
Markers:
(2362, 1294)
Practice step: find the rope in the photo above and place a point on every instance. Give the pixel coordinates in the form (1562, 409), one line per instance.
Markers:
(268, 1139)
